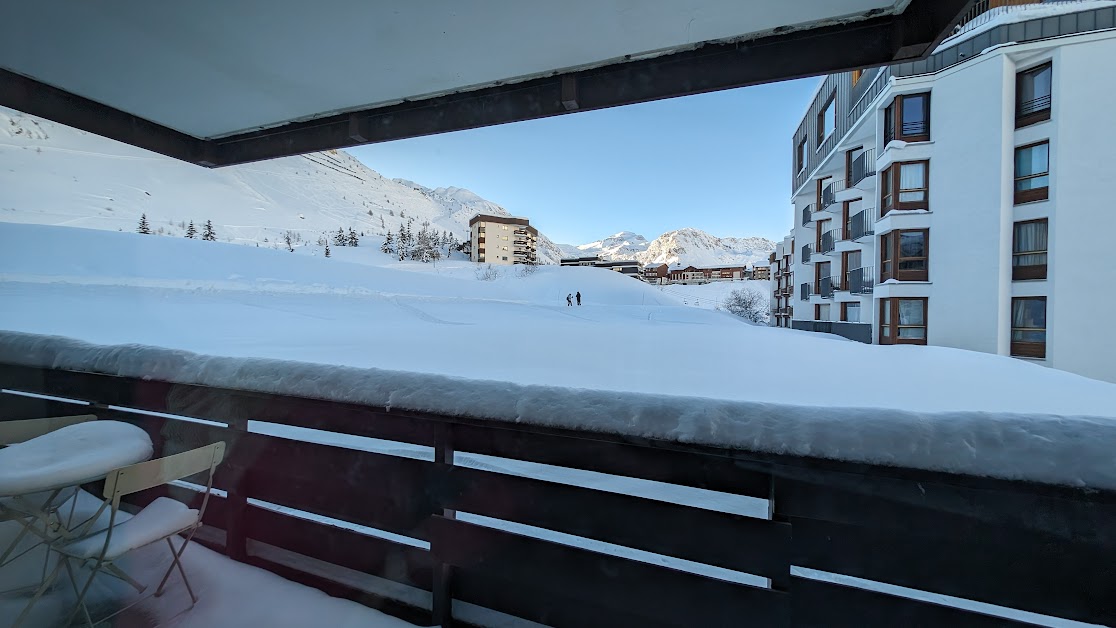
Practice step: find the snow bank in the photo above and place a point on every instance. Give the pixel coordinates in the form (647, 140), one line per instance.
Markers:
(1070, 450)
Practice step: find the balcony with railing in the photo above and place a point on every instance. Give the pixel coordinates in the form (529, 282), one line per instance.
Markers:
(829, 194)
(804, 291)
(863, 166)
(863, 224)
(829, 241)
(807, 214)
(825, 286)
(862, 280)
(807, 250)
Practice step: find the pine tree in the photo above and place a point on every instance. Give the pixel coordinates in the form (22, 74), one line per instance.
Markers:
(144, 228)
(208, 233)
(389, 244)
(339, 238)
(353, 240)
(327, 249)
(191, 232)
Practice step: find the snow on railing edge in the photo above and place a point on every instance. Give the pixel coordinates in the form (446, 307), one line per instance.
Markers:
(1064, 450)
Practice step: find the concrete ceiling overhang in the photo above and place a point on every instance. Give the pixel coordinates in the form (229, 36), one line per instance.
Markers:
(218, 83)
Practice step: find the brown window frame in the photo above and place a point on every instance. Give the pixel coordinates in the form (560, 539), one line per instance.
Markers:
(1034, 194)
(1039, 115)
(817, 312)
(856, 75)
(1029, 271)
(889, 186)
(845, 266)
(818, 274)
(895, 238)
(891, 304)
(1028, 349)
(821, 227)
(800, 156)
(821, 134)
(821, 183)
(845, 311)
(894, 114)
(849, 158)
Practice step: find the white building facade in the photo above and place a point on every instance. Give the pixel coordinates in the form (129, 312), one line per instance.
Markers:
(965, 200)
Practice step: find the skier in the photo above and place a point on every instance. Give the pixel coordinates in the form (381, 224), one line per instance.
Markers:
(579, 297)
(569, 300)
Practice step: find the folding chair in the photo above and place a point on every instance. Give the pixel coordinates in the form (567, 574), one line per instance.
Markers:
(162, 519)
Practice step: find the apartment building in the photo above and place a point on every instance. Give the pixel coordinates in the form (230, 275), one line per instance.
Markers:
(964, 200)
(502, 240)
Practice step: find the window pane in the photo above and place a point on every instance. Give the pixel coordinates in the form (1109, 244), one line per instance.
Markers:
(1033, 183)
(852, 312)
(912, 332)
(911, 312)
(1029, 236)
(885, 309)
(911, 176)
(1028, 335)
(912, 244)
(914, 114)
(823, 310)
(854, 260)
(1028, 313)
(1032, 160)
(1034, 85)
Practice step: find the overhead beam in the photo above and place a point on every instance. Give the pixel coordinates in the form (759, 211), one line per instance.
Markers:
(872, 42)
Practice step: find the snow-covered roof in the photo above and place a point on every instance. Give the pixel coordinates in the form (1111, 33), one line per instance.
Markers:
(1020, 13)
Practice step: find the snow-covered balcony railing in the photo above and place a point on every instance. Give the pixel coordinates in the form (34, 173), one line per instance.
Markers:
(863, 224)
(444, 500)
(863, 166)
(862, 280)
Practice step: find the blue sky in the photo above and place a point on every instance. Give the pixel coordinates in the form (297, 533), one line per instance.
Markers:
(719, 162)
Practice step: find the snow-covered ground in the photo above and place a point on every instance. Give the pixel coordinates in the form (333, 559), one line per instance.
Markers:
(632, 359)
(710, 296)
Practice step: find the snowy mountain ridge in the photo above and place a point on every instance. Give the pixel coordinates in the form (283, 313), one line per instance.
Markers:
(687, 246)
(55, 175)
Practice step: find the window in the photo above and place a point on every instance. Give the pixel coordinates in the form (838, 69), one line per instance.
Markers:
(827, 119)
(1032, 95)
(856, 76)
(822, 227)
(850, 312)
(800, 156)
(850, 261)
(1028, 327)
(907, 118)
(902, 321)
(1028, 250)
(1032, 173)
(850, 159)
(905, 185)
(905, 255)
(850, 209)
(505, 258)
(821, 312)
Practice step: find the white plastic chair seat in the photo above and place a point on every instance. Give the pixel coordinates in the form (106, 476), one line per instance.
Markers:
(158, 520)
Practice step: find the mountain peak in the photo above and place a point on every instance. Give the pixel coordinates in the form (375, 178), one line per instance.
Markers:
(685, 246)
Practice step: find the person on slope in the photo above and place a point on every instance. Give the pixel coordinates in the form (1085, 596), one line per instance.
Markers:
(579, 297)
(569, 300)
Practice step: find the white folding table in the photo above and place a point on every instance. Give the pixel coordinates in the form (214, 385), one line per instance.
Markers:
(38, 476)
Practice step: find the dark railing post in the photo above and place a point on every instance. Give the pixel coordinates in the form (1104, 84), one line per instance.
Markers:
(236, 500)
(442, 608)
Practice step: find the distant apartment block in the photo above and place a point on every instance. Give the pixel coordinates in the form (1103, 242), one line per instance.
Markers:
(625, 267)
(677, 273)
(502, 240)
(964, 200)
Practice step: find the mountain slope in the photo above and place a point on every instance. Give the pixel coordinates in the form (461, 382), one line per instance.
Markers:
(56, 175)
(681, 246)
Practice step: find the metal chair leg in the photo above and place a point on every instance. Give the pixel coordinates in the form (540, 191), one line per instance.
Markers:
(73, 583)
(84, 591)
(176, 562)
(38, 594)
(120, 574)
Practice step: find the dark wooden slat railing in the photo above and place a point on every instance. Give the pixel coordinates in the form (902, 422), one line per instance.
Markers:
(1046, 549)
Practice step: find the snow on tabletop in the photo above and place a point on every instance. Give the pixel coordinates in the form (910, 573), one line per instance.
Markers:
(159, 519)
(71, 455)
(633, 359)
